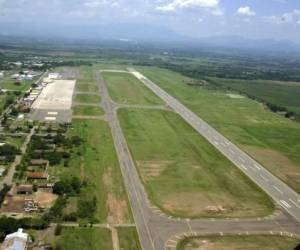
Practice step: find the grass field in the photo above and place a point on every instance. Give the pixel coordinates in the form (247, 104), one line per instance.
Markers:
(85, 239)
(86, 98)
(183, 174)
(269, 138)
(86, 87)
(125, 88)
(97, 166)
(239, 242)
(88, 110)
(87, 75)
(8, 83)
(128, 239)
(283, 94)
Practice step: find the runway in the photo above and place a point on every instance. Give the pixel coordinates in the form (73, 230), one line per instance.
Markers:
(282, 194)
(159, 231)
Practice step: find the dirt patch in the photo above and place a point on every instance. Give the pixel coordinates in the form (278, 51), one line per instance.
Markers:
(117, 210)
(13, 204)
(45, 199)
(235, 96)
(194, 204)
(277, 163)
(152, 169)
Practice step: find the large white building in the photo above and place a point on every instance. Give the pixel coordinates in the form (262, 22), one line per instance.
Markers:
(15, 241)
(54, 76)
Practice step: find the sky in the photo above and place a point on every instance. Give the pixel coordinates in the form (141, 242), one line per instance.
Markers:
(255, 19)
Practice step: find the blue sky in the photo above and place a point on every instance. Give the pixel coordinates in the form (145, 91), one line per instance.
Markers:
(258, 19)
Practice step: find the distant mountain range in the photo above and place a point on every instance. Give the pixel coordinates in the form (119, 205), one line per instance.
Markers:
(134, 33)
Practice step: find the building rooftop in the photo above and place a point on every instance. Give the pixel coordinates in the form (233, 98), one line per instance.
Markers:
(15, 241)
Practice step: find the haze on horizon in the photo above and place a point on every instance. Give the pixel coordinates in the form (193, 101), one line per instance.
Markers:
(255, 19)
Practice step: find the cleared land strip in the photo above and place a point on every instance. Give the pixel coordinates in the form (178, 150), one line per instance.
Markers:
(284, 196)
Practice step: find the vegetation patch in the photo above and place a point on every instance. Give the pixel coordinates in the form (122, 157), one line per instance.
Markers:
(125, 88)
(96, 165)
(245, 122)
(128, 238)
(238, 242)
(86, 87)
(84, 238)
(183, 173)
(88, 111)
(86, 98)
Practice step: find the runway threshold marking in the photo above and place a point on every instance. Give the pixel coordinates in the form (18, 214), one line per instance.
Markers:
(294, 203)
(285, 203)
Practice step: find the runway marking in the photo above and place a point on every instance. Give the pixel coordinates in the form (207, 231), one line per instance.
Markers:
(294, 203)
(244, 167)
(241, 159)
(215, 142)
(263, 177)
(48, 118)
(257, 167)
(52, 113)
(285, 203)
(277, 189)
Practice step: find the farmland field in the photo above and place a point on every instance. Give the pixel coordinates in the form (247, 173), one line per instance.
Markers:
(96, 164)
(86, 98)
(185, 175)
(125, 88)
(239, 242)
(88, 110)
(272, 140)
(283, 94)
(85, 238)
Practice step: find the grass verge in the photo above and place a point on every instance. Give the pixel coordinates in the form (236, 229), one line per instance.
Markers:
(125, 88)
(85, 238)
(128, 238)
(88, 110)
(269, 138)
(86, 98)
(183, 173)
(239, 242)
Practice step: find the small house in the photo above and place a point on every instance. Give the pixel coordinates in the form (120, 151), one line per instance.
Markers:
(37, 176)
(39, 162)
(25, 189)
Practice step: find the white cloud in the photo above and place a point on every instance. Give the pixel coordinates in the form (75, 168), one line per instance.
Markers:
(177, 4)
(288, 17)
(97, 3)
(245, 11)
(217, 12)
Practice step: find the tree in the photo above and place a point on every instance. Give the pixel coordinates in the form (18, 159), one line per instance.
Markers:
(58, 230)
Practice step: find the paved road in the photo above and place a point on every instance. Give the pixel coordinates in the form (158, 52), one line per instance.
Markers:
(282, 194)
(156, 230)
